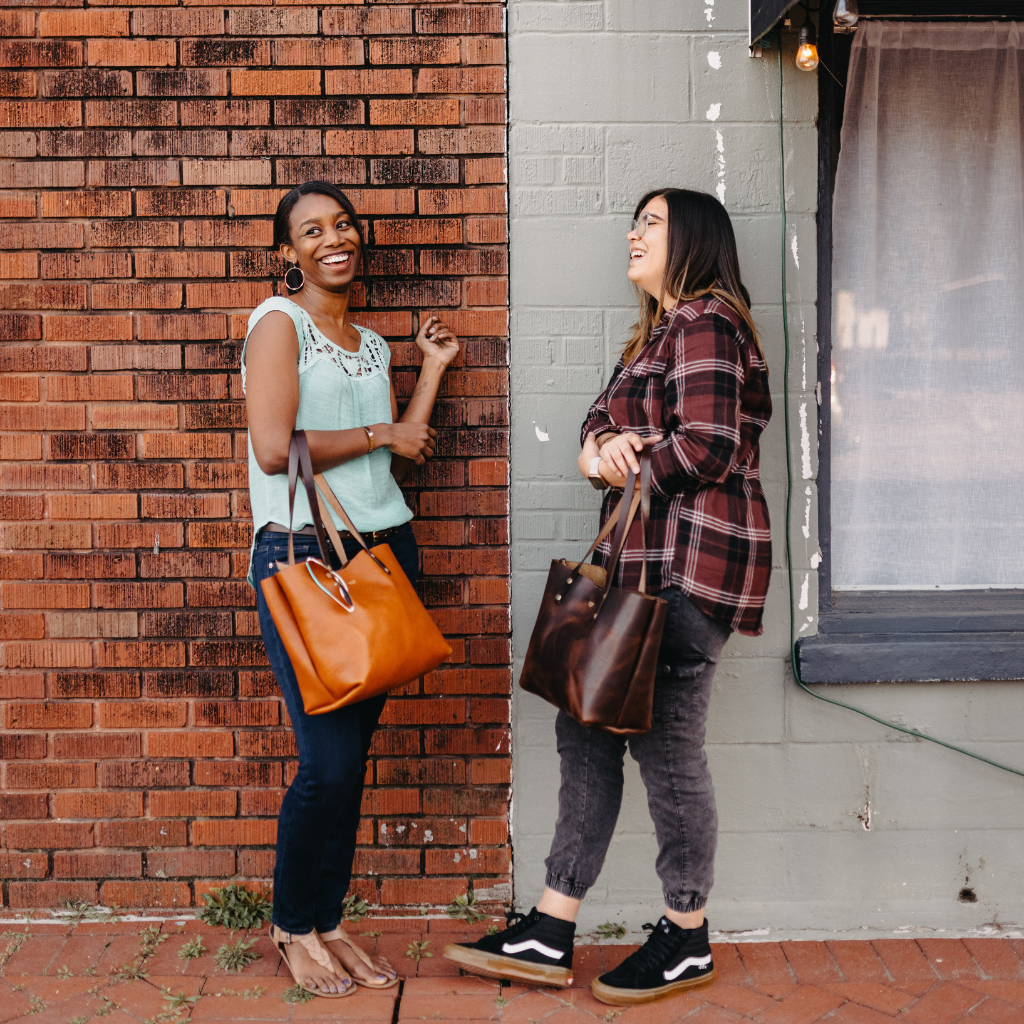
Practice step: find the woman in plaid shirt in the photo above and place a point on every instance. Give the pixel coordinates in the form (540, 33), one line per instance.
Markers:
(692, 385)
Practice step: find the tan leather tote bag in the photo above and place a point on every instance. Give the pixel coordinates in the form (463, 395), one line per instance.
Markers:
(594, 649)
(351, 633)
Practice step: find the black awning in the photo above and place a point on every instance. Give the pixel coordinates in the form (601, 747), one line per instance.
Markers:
(765, 15)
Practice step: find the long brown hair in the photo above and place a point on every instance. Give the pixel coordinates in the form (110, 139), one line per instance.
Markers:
(702, 260)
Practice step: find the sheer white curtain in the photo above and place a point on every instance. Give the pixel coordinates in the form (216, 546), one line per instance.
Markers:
(928, 341)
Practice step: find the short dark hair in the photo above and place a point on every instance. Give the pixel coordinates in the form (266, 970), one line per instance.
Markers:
(282, 218)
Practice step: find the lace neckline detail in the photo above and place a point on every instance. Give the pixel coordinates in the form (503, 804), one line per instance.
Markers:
(367, 361)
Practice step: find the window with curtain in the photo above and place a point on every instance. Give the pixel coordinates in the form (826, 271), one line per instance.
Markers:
(927, 417)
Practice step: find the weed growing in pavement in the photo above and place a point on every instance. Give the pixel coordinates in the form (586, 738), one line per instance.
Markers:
(236, 908)
(79, 1020)
(250, 993)
(176, 1006)
(354, 909)
(236, 956)
(500, 1002)
(372, 934)
(35, 1005)
(134, 971)
(80, 910)
(180, 1002)
(464, 908)
(611, 930)
(491, 930)
(17, 940)
(108, 1007)
(418, 950)
(149, 939)
(192, 950)
(297, 994)
(65, 972)
(611, 1015)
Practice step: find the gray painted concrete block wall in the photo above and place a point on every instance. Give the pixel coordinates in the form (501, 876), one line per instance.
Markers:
(829, 822)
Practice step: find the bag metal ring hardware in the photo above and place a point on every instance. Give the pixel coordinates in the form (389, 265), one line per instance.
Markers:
(345, 598)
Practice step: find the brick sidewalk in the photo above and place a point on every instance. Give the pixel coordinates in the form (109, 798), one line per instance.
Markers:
(56, 973)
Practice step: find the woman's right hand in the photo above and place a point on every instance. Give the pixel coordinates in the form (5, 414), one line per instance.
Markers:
(415, 441)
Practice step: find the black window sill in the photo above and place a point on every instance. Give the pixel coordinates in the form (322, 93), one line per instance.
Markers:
(916, 637)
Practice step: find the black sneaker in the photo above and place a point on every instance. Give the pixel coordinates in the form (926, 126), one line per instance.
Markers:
(533, 947)
(672, 959)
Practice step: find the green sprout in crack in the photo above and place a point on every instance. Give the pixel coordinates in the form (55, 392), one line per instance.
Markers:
(108, 1007)
(134, 971)
(235, 957)
(500, 1002)
(464, 908)
(35, 1005)
(236, 908)
(192, 950)
(418, 950)
(65, 972)
(181, 1001)
(491, 930)
(297, 994)
(354, 909)
(611, 930)
(80, 910)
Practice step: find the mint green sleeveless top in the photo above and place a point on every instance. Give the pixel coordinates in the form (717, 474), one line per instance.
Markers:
(338, 390)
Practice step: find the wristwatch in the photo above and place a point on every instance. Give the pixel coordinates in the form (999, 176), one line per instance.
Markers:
(595, 478)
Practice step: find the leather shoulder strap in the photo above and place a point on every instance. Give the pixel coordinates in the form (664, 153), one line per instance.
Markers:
(300, 462)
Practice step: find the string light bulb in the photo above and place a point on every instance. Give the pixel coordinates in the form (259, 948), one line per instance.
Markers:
(807, 50)
(846, 14)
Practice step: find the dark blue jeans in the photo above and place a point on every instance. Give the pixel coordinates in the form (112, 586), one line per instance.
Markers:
(316, 829)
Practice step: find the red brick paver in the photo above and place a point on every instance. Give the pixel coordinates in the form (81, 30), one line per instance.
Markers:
(54, 973)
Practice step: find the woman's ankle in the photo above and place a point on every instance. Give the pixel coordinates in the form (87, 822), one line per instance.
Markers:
(558, 905)
(693, 919)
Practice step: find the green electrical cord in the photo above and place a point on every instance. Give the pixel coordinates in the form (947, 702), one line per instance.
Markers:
(789, 487)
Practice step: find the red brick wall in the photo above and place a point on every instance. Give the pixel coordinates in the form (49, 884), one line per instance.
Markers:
(142, 153)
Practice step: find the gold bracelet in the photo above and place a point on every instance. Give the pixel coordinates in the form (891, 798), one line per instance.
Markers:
(369, 434)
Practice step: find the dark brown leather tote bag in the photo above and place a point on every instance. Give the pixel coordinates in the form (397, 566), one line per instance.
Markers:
(594, 649)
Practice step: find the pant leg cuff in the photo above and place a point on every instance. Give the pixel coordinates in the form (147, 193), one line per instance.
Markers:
(574, 890)
(684, 905)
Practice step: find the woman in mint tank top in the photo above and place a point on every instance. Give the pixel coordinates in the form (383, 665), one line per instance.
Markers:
(306, 366)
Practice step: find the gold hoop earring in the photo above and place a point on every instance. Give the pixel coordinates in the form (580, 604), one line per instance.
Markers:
(289, 281)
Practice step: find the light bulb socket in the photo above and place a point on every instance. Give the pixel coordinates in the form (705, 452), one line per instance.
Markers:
(807, 37)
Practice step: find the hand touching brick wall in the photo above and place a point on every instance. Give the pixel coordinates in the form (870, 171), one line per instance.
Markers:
(142, 154)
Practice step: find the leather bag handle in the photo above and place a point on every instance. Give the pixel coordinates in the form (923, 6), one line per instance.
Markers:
(299, 462)
(619, 540)
(332, 499)
(639, 497)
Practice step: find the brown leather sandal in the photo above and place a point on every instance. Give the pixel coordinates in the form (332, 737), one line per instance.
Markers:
(319, 953)
(339, 933)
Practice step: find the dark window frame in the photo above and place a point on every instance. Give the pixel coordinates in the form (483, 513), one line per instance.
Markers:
(892, 636)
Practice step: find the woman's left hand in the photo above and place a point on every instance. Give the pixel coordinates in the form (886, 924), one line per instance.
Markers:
(617, 456)
(437, 341)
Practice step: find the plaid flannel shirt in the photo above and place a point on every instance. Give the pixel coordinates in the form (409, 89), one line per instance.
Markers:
(701, 382)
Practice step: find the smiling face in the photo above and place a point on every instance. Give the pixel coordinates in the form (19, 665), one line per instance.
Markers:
(324, 242)
(648, 249)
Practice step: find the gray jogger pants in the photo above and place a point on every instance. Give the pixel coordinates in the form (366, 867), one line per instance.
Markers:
(673, 766)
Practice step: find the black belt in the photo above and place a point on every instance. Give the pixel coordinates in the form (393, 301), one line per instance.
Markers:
(372, 536)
